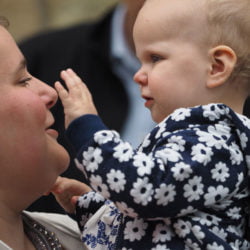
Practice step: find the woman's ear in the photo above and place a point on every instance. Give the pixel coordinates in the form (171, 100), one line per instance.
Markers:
(223, 60)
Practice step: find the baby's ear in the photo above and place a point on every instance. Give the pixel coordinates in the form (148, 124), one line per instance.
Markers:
(223, 60)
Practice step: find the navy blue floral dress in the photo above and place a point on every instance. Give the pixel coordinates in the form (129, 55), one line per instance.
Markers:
(185, 187)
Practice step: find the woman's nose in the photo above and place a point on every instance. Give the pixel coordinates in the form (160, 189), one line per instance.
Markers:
(140, 77)
(47, 94)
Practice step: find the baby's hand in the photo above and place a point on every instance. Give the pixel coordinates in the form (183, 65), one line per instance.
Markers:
(67, 192)
(77, 100)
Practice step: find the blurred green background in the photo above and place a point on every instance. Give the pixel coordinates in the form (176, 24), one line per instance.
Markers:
(28, 17)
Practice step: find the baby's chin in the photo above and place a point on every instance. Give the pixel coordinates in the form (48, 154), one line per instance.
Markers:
(158, 118)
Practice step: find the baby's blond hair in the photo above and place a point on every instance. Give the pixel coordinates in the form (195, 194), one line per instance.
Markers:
(229, 24)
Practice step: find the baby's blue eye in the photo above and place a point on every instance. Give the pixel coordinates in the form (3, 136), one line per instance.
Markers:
(155, 58)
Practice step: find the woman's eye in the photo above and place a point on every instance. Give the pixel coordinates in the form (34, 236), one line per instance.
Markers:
(25, 81)
(155, 58)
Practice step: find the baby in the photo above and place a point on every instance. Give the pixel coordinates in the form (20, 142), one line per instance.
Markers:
(187, 185)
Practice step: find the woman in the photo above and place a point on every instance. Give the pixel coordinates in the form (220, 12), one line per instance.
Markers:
(30, 157)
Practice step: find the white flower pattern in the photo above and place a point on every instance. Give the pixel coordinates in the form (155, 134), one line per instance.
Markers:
(181, 171)
(201, 153)
(123, 152)
(143, 163)
(162, 233)
(194, 161)
(165, 194)
(135, 230)
(220, 172)
(116, 180)
(92, 158)
(194, 188)
(142, 191)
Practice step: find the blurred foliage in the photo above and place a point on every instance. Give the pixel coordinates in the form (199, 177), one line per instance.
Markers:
(28, 17)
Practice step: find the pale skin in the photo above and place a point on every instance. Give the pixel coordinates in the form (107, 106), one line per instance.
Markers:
(175, 72)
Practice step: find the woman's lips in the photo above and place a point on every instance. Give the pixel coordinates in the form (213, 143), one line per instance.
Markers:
(53, 133)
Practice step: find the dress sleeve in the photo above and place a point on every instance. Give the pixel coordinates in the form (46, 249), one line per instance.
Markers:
(87, 205)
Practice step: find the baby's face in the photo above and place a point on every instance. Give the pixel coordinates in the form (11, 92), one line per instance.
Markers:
(174, 61)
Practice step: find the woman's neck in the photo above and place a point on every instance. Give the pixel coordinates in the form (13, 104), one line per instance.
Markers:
(12, 231)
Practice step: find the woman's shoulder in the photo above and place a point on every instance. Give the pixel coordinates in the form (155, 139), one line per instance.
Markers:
(3, 246)
(65, 228)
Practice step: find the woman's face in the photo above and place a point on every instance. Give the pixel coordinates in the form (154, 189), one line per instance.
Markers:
(30, 157)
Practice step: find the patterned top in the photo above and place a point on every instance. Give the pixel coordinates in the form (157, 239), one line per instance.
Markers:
(185, 187)
(41, 238)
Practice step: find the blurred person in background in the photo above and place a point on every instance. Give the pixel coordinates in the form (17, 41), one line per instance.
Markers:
(102, 54)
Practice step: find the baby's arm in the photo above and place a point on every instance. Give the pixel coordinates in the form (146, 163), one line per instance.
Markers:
(67, 192)
(77, 100)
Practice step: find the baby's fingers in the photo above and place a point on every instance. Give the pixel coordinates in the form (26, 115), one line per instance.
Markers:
(72, 81)
(62, 92)
(75, 78)
(74, 200)
(59, 185)
(77, 99)
(64, 95)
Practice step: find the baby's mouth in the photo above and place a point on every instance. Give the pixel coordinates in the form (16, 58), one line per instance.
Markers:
(148, 101)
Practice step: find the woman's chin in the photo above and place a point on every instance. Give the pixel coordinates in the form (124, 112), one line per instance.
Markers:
(65, 160)
(61, 159)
